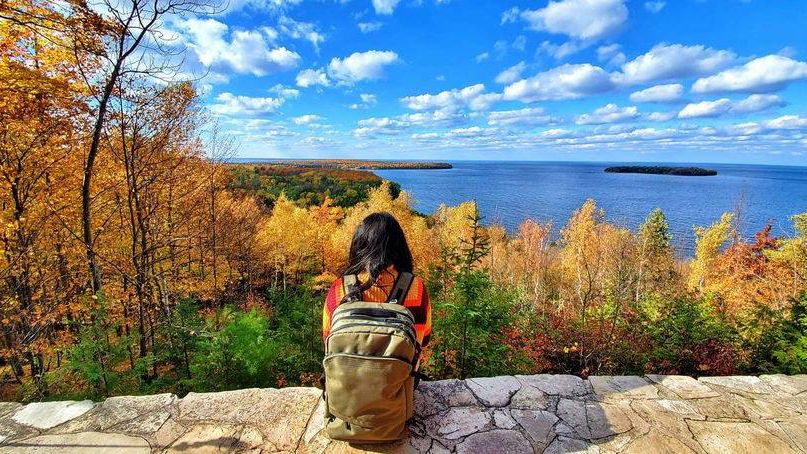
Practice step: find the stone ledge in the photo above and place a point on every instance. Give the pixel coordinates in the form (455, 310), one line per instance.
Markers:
(535, 413)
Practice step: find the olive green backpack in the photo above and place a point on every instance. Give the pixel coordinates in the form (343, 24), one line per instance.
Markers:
(370, 356)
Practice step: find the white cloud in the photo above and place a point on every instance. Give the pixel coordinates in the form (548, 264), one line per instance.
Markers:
(300, 30)
(579, 19)
(557, 133)
(285, 92)
(764, 74)
(472, 97)
(521, 117)
(661, 116)
(361, 66)
(368, 27)
(511, 74)
(367, 100)
(706, 109)
(787, 122)
(655, 6)
(306, 119)
(751, 104)
(564, 82)
(482, 57)
(611, 54)
(673, 61)
(659, 93)
(393, 126)
(311, 77)
(272, 5)
(511, 15)
(757, 103)
(609, 113)
(385, 7)
(230, 104)
(245, 52)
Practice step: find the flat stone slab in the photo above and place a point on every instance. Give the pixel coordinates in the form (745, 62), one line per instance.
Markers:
(740, 384)
(683, 386)
(495, 442)
(623, 387)
(556, 385)
(45, 415)
(791, 384)
(494, 391)
(79, 443)
(521, 414)
(717, 436)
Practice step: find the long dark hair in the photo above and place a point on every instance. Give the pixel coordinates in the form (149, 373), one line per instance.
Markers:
(379, 242)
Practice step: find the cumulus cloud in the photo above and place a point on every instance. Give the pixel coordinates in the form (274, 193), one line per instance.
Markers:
(473, 97)
(521, 117)
(579, 19)
(609, 113)
(673, 61)
(719, 107)
(230, 104)
(611, 54)
(271, 5)
(360, 66)
(291, 28)
(385, 7)
(386, 126)
(242, 52)
(356, 67)
(659, 93)
(661, 116)
(787, 122)
(369, 27)
(763, 74)
(564, 82)
(312, 77)
(285, 92)
(306, 119)
(482, 57)
(511, 74)
(705, 109)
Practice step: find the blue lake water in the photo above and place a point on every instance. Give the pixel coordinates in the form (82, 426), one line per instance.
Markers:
(510, 192)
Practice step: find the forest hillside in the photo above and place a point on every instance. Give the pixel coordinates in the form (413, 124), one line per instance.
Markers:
(133, 259)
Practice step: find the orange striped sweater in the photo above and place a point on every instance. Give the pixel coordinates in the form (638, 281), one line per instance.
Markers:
(417, 301)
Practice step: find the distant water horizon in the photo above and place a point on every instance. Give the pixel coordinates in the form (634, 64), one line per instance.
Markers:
(510, 192)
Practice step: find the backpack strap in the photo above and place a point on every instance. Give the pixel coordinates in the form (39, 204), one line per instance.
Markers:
(349, 281)
(401, 288)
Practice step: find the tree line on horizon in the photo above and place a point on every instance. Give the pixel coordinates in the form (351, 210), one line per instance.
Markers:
(130, 263)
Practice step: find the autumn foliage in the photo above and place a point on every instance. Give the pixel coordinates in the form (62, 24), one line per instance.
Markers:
(154, 267)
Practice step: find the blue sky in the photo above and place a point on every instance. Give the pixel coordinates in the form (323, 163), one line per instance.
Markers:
(605, 80)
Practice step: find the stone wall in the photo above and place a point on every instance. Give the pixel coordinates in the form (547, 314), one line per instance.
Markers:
(522, 414)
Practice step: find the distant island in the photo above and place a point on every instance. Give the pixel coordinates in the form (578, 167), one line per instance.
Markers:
(358, 164)
(663, 170)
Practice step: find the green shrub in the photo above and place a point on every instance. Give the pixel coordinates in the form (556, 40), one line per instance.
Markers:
(469, 328)
(238, 355)
(97, 357)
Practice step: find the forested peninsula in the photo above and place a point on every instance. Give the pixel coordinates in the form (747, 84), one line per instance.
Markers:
(663, 170)
(359, 164)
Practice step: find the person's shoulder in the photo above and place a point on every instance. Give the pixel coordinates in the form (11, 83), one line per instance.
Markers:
(418, 283)
(336, 286)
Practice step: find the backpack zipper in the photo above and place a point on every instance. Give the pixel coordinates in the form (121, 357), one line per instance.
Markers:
(409, 334)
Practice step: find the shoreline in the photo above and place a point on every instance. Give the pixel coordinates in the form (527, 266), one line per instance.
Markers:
(352, 164)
